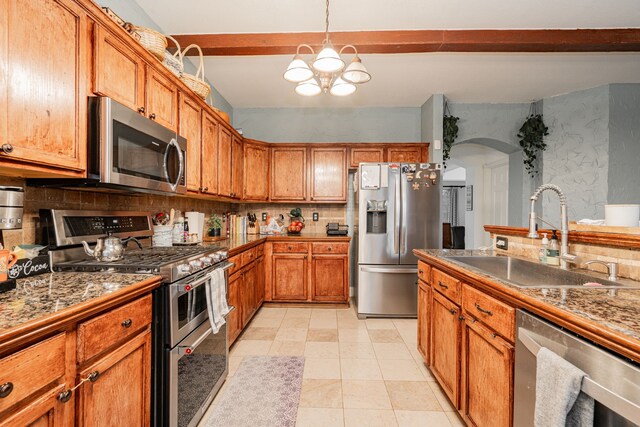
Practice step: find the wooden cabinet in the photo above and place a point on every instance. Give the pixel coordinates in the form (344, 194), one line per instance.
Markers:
(190, 127)
(424, 314)
(365, 155)
(224, 162)
(290, 277)
(288, 175)
(119, 386)
(43, 87)
(256, 172)
(119, 72)
(236, 167)
(47, 410)
(209, 152)
(487, 377)
(330, 278)
(445, 345)
(234, 319)
(260, 281)
(406, 154)
(162, 99)
(328, 174)
(248, 294)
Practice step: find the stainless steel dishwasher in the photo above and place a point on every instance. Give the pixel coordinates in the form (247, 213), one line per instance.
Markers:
(613, 382)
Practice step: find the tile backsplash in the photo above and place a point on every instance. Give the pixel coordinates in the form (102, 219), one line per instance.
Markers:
(326, 214)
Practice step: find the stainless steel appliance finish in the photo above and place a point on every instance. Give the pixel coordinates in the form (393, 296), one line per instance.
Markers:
(613, 381)
(11, 207)
(129, 152)
(399, 210)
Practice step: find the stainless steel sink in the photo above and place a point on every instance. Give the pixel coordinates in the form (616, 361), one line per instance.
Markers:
(525, 274)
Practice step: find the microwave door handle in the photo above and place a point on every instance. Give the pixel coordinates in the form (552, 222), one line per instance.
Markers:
(174, 143)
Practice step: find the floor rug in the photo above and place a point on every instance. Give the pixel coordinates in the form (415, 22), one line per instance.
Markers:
(264, 392)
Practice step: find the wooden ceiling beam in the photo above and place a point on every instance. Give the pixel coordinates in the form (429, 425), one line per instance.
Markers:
(421, 41)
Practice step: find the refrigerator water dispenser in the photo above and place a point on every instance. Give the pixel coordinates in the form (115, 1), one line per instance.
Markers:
(377, 216)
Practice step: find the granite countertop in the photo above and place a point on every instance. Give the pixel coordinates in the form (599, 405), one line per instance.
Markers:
(39, 296)
(239, 243)
(619, 314)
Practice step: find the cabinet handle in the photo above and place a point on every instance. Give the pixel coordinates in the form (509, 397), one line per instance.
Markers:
(453, 311)
(461, 318)
(420, 272)
(65, 396)
(206, 188)
(126, 323)
(442, 285)
(141, 110)
(152, 116)
(7, 148)
(6, 389)
(92, 377)
(305, 257)
(482, 310)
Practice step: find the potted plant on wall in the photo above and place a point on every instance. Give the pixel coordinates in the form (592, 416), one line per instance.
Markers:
(449, 133)
(215, 225)
(531, 134)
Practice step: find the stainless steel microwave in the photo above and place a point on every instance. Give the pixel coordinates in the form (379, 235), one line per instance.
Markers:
(130, 152)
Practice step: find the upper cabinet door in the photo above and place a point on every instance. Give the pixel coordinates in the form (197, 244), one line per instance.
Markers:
(224, 162)
(43, 57)
(329, 174)
(162, 100)
(288, 174)
(209, 161)
(256, 166)
(119, 71)
(237, 164)
(190, 126)
(404, 154)
(366, 155)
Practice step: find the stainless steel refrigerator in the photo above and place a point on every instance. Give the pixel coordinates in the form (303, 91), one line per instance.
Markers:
(399, 210)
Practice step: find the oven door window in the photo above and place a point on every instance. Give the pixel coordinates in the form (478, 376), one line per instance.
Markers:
(138, 154)
(199, 373)
(191, 305)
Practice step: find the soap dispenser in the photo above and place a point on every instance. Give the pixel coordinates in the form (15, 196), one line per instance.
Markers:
(553, 251)
(542, 253)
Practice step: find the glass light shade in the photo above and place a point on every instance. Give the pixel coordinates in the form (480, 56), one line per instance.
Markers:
(308, 88)
(356, 72)
(298, 71)
(328, 60)
(342, 88)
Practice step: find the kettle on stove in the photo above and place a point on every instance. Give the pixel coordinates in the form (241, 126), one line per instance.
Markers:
(109, 248)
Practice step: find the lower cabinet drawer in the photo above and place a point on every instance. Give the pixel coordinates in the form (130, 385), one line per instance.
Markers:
(29, 370)
(292, 247)
(236, 260)
(248, 256)
(330, 248)
(424, 271)
(259, 250)
(109, 329)
(497, 315)
(446, 285)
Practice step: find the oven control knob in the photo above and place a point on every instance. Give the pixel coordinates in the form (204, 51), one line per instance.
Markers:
(184, 269)
(207, 260)
(223, 254)
(196, 264)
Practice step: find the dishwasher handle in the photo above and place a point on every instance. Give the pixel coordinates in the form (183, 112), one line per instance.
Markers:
(610, 399)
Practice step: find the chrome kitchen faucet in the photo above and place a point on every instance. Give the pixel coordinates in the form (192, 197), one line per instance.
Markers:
(565, 256)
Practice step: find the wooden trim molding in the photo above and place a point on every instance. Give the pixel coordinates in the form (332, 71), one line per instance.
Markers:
(616, 240)
(421, 41)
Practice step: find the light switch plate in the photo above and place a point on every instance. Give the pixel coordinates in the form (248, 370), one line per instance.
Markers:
(316, 216)
(264, 216)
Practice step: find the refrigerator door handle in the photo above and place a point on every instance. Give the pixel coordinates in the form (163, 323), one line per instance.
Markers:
(390, 270)
(396, 217)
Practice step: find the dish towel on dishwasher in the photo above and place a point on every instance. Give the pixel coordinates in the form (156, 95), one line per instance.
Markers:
(559, 399)
(217, 299)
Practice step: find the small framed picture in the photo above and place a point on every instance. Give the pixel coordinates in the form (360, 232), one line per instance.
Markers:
(469, 189)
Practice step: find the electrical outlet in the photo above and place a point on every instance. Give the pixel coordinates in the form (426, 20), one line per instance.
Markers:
(316, 216)
(502, 243)
(264, 216)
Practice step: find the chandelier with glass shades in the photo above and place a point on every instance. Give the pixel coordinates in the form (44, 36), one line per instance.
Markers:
(326, 72)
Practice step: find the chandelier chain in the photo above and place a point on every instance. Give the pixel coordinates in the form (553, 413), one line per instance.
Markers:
(326, 28)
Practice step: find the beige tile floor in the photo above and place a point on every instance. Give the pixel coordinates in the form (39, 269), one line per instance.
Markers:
(357, 372)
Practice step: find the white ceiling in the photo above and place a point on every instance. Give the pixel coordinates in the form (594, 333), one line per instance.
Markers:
(407, 80)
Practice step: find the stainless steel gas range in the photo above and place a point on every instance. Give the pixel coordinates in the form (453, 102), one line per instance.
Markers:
(190, 361)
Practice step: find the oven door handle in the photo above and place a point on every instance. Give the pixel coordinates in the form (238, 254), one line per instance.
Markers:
(174, 143)
(608, 398)
(227, 266)
(189, 345)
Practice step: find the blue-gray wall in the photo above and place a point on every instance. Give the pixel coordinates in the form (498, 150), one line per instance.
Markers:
(329, 124)
(431, 114)
(577, 155)
(624, 144)
(130, 11)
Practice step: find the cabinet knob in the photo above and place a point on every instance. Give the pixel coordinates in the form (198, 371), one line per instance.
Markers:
(7, 148)
(329, 248)
(152, 116)
(141, 110)
(290, 247)
(65, 396)
(126, 323)
(6, 389)
(453, 311)
(305, 257)
(420, 272)
(206, 188)
(93, 376)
